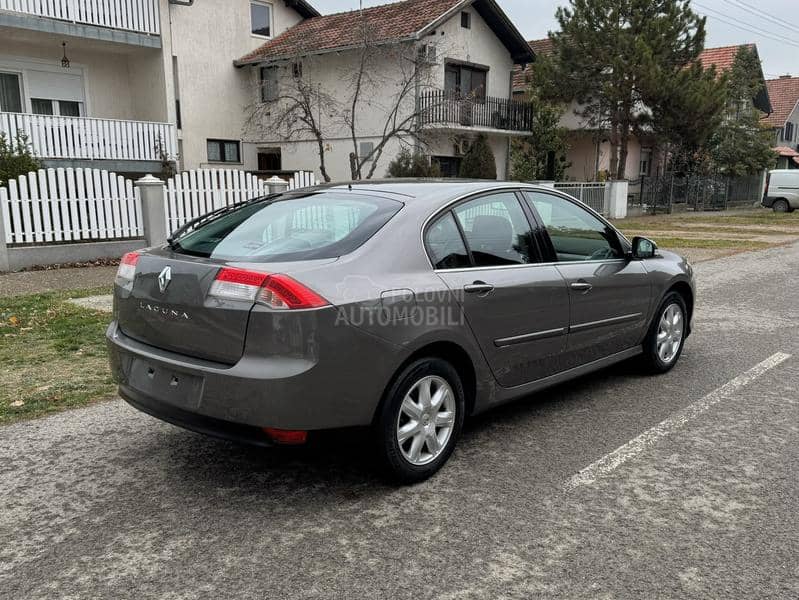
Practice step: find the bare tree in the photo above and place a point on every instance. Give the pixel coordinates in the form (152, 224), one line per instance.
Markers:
(293, 108)
(379, 67)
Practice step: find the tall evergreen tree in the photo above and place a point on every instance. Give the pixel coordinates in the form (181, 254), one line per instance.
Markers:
(743, 145)
(606, 52)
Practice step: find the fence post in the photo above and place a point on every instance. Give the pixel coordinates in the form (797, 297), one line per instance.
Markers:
(616, 199)
(153, 209)
(277, 185)
(4, 263)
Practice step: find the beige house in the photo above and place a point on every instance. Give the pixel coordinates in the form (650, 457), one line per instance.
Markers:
(127, 85)
(590, 152)
(437, 73)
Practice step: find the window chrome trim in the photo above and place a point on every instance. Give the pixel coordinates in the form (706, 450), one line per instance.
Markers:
(515, 187)
(528, 265)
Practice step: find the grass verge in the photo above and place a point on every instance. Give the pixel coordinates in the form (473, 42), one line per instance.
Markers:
(53, 354)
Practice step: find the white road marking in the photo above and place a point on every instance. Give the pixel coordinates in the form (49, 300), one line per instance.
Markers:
(619, 456)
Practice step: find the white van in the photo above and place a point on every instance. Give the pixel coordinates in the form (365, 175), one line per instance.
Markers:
(782, 190)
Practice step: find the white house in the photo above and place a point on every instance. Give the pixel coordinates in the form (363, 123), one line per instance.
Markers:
(124, 84)
(784, 93)
(438, 73)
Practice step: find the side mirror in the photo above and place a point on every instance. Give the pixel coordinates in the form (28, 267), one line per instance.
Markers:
(643, 248)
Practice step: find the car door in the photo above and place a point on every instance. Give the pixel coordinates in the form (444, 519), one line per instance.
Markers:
(609, 294)
(517, 308)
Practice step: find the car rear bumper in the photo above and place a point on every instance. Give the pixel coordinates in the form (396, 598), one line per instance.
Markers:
(194, 422)
(329, 390)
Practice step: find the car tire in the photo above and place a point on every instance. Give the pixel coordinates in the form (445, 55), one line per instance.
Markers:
(781, 206)
(665, 340)
(409, 426)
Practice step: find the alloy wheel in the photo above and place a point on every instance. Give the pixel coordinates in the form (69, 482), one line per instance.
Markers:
(426, 420)
(671, 331)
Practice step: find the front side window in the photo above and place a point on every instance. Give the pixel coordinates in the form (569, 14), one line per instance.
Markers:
(576, 234)
(224, 151)
(497, 231)
(318, 225)
(261, 17)
(445, 245)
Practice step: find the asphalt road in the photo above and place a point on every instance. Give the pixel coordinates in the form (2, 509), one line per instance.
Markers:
(108, 503)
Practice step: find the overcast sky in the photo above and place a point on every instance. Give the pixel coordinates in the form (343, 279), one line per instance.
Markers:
(729, 22)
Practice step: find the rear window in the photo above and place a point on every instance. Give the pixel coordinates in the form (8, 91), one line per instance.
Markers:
(318, 225)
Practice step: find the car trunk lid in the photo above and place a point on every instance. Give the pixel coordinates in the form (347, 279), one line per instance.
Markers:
(169, 306)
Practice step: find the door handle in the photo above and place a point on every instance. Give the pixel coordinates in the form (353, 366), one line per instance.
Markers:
(581, 286)
(479, 287)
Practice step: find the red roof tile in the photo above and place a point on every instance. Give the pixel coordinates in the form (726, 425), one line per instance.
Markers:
(786, 151)
(390, 22)
(521, 76)
(784, 93)
(722, 58)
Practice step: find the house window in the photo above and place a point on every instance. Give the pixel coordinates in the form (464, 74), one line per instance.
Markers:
(466, 20)
(789, 131)
(365, 149)
(269, 84)
(10, 94)
(465, 80)
(63, 108)
(261, 17)
(450, 166)
(645, 167)
(296, 70)
(270, 159)
(224, 151)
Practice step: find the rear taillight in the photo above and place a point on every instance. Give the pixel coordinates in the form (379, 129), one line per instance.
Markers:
(287, 437)
(127, 267)
(280, 292)
(237, 284)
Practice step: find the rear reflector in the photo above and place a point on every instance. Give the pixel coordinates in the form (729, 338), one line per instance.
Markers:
(286, 436)
(280, 292)
(127, 267)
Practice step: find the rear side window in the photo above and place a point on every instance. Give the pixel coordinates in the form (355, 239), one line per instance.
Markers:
(497, 231)
(445, 245)
(318, 225)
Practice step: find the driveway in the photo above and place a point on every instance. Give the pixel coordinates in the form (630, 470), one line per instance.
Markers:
(616, 486)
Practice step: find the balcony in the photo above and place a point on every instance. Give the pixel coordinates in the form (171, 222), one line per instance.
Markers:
(451, 110)
(88, 139)
(135, 16)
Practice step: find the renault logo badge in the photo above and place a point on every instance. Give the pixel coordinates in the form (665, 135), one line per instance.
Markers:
(164, 278)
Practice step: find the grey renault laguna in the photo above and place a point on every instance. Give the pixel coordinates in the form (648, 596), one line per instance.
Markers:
(401, 306)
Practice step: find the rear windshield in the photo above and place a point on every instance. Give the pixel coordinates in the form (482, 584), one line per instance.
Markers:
(319, 225)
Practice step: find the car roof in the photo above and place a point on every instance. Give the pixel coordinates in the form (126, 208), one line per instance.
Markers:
(426, 189)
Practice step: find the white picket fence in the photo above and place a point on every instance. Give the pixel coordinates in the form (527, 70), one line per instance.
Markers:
(67, 205)
(302, 179)
(194, 193)
(133, 15)
(70, 205)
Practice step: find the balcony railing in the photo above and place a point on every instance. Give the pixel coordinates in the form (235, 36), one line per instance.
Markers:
(442, 107)
(132, 15)
(81, 138)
